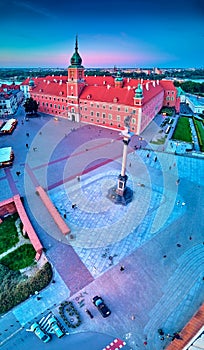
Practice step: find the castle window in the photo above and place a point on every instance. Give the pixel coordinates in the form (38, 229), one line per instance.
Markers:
(118, 108)
(118, 118)
(134, 111)
(98, 114)
(92, 120)
(103, 115)
(133, 121)
(110, 116)
(110, 107)
(104, 106)
(97, 120)
(92, 113)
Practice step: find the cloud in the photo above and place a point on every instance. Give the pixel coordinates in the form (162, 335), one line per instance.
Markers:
(34, 8)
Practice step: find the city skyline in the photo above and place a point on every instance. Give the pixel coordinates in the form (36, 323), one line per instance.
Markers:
(125, 34)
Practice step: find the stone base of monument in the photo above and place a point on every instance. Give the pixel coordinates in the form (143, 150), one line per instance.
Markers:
(123, 199)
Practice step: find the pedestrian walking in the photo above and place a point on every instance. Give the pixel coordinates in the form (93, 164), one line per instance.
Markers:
(26, 145)
(155, 159)
(27, 134)
(122, 268)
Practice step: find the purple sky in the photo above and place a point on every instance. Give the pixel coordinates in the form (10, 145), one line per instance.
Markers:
(129, 33)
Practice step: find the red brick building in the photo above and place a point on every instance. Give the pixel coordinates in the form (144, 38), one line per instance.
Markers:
(104, 101)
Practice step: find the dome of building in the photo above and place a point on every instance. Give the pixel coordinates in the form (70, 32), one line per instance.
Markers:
(76, 58)
(118, 76)
(139, 92)
(31, 82)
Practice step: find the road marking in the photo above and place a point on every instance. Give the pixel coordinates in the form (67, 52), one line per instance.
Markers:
(10, 336)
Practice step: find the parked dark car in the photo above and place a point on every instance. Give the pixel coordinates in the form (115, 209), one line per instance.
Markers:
(101, 306)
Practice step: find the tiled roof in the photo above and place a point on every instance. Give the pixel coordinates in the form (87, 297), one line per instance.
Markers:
(189, 331)
(107, 92)
(101, 89)
(50, 86)
(168, 85)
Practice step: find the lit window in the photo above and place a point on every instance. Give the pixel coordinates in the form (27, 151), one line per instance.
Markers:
(118, 118)
(110, 116)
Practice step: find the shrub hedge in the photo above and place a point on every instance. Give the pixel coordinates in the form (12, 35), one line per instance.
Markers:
(19, 258)
(20, 288)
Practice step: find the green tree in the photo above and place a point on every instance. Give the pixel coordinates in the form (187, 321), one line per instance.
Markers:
(30, 106)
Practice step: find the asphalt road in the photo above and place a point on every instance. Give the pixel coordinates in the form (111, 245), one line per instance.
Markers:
(80, 341)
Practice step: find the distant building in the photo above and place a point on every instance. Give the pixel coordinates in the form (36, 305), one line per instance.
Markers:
(196, 103)
(10, 98)
(104, 101)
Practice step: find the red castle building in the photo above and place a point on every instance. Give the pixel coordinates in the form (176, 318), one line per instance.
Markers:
(104, 101)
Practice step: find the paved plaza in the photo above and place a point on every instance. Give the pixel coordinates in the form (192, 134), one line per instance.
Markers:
(158, 237)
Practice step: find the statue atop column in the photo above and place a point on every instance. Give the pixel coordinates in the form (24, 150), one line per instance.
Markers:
(121, 194)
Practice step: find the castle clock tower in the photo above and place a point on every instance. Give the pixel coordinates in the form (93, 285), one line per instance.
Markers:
(75, 85)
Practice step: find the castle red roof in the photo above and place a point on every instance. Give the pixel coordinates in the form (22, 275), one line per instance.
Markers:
(102, 89)
(51, 85)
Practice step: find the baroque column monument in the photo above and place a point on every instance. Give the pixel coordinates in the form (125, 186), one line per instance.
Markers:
(121, 194)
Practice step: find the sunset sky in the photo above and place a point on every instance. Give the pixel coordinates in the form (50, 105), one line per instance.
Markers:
(129, 33)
